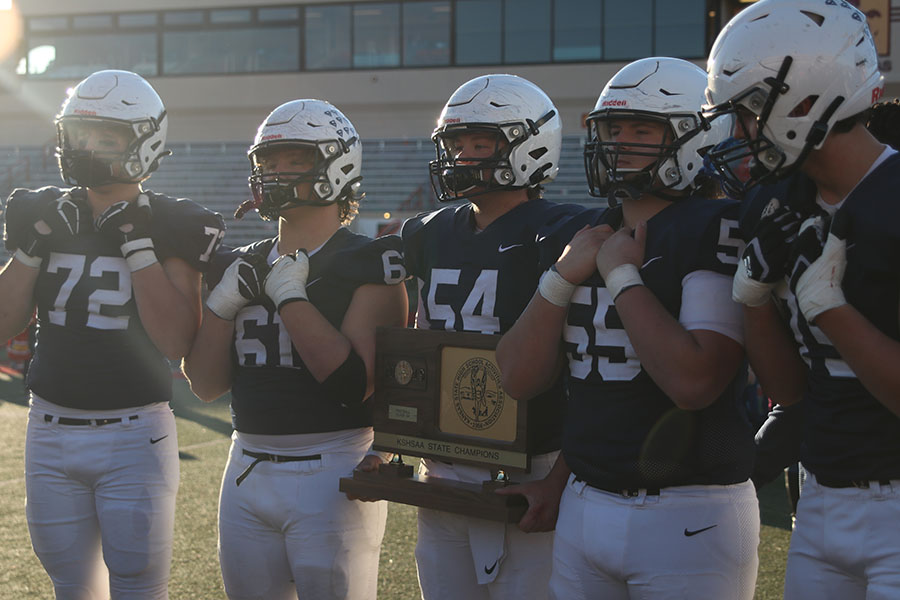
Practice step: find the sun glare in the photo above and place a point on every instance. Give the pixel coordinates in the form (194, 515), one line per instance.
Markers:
(10, 28)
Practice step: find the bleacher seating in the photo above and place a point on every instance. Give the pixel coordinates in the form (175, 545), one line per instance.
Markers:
(395, 178)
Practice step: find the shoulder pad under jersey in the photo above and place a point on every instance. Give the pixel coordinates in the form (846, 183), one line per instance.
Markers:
(184, 229)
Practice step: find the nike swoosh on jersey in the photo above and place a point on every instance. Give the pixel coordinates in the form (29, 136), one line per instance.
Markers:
(152, 441)
(696, 531)
(650, 261)
(493, 566)
(503, 248)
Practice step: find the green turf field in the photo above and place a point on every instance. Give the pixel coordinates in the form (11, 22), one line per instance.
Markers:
(203, 433)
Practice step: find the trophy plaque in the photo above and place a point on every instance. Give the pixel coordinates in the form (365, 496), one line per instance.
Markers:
(438, 395)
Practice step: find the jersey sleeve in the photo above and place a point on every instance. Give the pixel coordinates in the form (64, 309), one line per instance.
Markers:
(412, 235)
(378, 261)
(186, 230)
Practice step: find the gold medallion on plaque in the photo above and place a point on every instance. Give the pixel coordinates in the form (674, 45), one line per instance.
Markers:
(477, 394)
(473, 402)
(403, 372)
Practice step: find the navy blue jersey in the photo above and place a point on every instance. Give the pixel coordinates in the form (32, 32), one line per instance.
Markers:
(272, 391)
(91, 351)
(481, 281)
(621, 430)
(848, 434)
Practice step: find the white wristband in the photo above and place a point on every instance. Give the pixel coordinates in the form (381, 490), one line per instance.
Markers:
(555, 288)
(32, 261)
(748, 291)
(621, 278)
(139, 254)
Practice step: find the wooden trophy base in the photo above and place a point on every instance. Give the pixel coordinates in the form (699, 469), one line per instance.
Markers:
(398, 483)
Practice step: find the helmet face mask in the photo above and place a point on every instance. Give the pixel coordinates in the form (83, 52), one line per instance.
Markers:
(117, 160)
(524, 132)
(616, 168)
(275, 190)
(111, 129)
(483, 170)
(306, 153)
(789, 71)
(655, 104)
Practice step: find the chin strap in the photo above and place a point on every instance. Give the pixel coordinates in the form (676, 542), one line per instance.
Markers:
(245, 207)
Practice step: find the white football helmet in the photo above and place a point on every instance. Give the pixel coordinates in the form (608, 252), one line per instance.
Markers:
(518, 113)
(336, 174)
(798, 66)
(662, 90)
(125, 102)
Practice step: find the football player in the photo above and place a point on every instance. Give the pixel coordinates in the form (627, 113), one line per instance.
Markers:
(659, 504)
(497, 141)
(819, 278)
(114, 271)
(290, 330)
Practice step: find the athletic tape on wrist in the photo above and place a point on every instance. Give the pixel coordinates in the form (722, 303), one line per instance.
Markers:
(819, 288)
(555, 288)
(621, 278)
(32, 261)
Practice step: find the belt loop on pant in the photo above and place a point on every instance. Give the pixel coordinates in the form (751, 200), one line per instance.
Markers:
(578, 485)
(275, 458)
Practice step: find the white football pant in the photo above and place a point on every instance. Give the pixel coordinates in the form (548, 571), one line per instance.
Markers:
(286, 532)
(461, 557)
(845, 544)
(103, 486)
(687, 542)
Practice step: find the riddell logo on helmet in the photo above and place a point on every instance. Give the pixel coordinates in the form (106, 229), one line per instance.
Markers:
(274, 136)
(615, 103)
(877, 93)
(80, 111)
(452, 120)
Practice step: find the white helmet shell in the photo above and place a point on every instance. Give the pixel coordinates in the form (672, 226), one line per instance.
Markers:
(669, 89)
(777, 53)
(317, 123)
(524, 115)
(125, 98)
